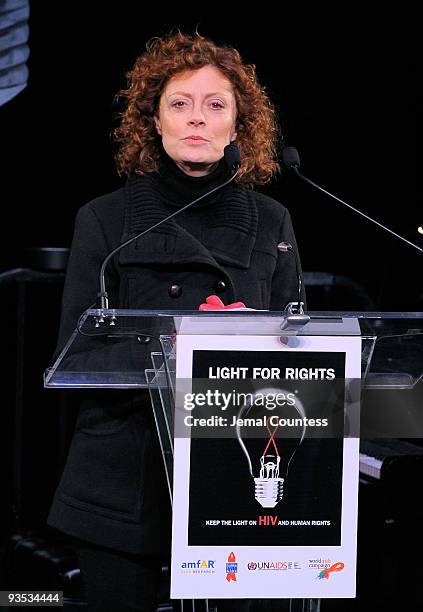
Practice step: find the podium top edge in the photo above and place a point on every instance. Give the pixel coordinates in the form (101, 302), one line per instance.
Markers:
(314, 314)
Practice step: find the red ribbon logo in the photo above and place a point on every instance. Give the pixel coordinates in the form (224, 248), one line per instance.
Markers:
(231, 568)
(336, 567)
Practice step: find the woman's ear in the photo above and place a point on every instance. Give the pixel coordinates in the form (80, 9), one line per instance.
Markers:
(158, 125)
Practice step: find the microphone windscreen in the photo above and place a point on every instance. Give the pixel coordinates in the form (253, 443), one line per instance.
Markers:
(290, 158)
(232, 156)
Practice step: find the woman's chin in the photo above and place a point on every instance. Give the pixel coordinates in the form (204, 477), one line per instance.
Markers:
(199, 160)
(196, 167)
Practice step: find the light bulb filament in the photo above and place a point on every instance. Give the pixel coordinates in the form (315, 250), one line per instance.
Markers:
(272, 440)
(269, 466)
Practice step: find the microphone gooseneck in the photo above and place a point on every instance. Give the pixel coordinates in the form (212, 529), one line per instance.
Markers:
(294, 316)
(233, 161)
(284, 247)
(291, 161)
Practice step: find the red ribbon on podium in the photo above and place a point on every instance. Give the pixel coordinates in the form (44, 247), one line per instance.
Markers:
(213, 302)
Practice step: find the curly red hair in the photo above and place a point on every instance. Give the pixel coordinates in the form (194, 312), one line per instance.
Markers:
(257, 126)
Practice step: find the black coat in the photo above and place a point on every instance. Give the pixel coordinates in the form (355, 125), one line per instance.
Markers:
(112, 490)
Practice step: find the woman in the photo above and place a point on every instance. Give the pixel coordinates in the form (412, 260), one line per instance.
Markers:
(186, 100)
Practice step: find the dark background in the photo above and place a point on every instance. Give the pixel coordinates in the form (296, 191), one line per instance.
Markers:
(344, 82)
(345, 85)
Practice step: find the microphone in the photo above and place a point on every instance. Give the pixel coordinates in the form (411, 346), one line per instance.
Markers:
(291, 161)
(233, 161)
(232, 156)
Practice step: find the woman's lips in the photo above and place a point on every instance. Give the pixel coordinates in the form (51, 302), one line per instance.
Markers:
(195, 139)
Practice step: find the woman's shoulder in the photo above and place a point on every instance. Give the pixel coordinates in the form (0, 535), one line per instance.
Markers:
(111, 207)
(267, 202)
(107, 205)
(106, 210)
(269, 210)
(102, 216)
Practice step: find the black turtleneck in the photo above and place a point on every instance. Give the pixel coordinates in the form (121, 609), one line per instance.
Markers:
(225, 223)
(178, 188)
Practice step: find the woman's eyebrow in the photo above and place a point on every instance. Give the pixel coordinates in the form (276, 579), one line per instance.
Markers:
(189, 95)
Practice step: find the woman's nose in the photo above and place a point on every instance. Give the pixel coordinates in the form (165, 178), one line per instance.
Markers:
(197, 117)
(196, 121)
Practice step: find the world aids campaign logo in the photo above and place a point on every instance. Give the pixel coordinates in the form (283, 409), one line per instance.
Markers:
(231, 568)
(325, 573)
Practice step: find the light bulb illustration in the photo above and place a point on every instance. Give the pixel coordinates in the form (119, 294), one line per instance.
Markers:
(274, 461)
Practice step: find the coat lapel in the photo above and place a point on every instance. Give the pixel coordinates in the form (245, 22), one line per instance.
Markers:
(228, 233)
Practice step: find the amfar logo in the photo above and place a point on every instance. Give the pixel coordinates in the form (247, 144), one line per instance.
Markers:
(201, 566)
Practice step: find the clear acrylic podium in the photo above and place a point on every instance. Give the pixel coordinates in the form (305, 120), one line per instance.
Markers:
(134, 349)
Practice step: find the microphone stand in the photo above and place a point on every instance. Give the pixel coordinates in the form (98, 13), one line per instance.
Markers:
(294, 166)
(294, 317)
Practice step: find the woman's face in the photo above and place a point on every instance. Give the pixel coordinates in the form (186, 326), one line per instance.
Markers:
(196, 119)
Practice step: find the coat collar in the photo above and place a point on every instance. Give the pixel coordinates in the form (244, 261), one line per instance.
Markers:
(230, 228)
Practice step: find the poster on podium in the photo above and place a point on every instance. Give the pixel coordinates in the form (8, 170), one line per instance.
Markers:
(266, 466)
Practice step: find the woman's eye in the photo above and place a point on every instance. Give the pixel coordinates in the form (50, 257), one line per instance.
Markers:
(178, 103)
(217, 105)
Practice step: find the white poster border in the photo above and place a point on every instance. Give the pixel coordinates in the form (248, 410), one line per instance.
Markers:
(209, 578)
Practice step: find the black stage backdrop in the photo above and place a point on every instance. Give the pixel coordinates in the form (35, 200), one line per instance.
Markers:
(345, 87)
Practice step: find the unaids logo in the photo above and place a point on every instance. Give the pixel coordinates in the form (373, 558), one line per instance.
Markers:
(231, 568)
(274, 565)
